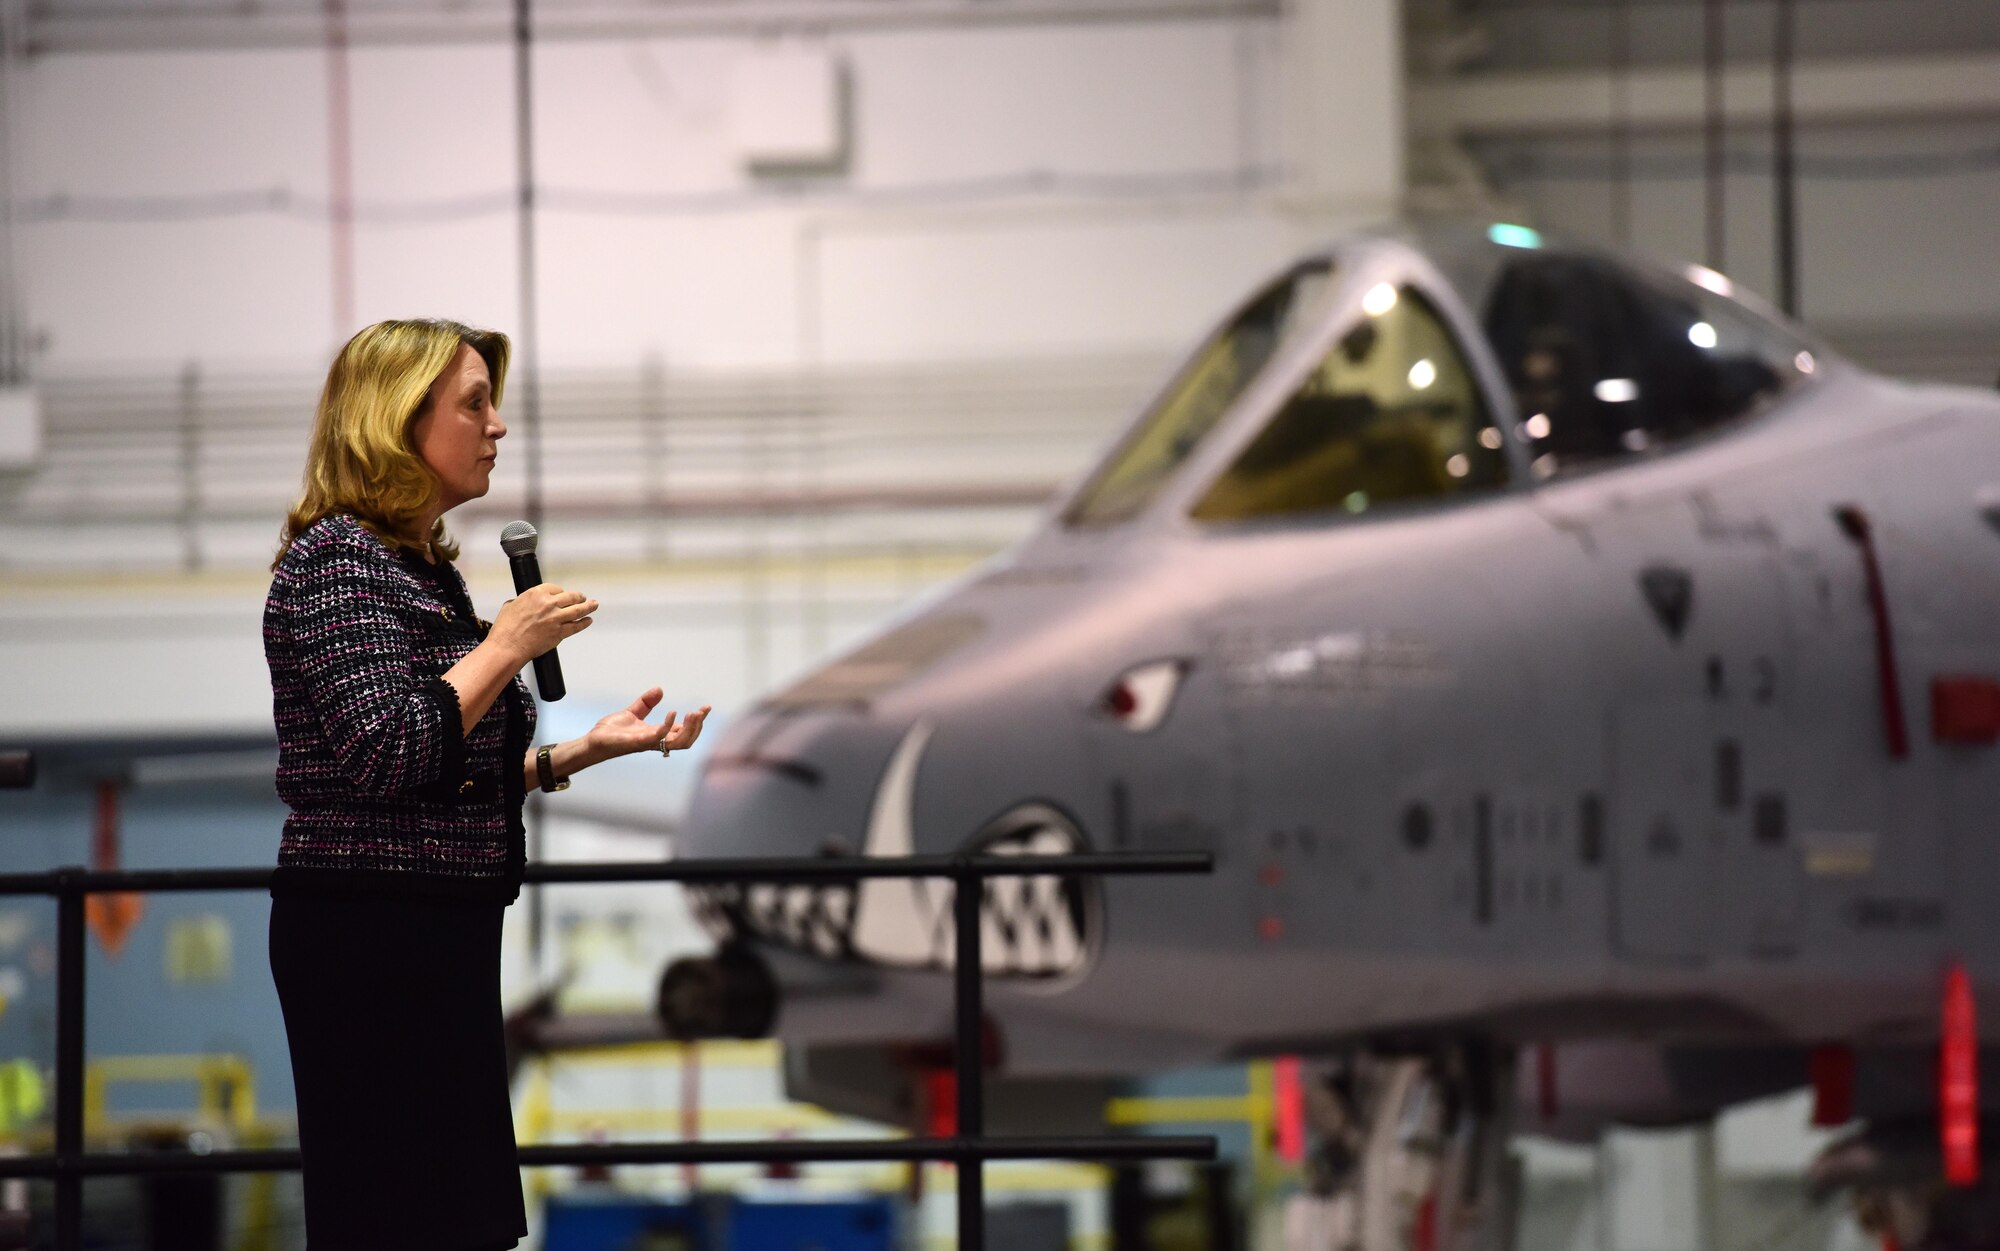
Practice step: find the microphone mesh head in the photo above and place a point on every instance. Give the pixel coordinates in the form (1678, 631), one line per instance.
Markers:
(518, 539)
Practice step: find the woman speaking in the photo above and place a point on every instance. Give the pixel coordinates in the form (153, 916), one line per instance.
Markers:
(403, 754)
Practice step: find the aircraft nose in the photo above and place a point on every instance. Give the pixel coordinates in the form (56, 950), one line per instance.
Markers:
(786, 784)
(843, 783)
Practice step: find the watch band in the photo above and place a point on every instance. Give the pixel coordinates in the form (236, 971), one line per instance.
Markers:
(545, 770)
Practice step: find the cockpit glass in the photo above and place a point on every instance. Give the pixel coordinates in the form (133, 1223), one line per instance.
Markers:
(1202, 393)
(1607, 360)
(1391, 414)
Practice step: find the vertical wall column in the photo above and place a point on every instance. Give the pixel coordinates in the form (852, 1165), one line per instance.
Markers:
(1343, 121)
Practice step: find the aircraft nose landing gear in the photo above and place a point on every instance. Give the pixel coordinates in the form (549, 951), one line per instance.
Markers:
(730, 994)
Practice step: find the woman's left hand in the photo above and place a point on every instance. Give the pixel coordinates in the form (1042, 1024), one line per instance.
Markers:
(628, 731)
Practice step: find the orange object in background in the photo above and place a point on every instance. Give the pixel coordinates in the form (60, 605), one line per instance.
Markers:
(112, 917)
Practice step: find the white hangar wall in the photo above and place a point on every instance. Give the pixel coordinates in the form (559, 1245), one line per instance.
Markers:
(1007, 190)
(1094, 193)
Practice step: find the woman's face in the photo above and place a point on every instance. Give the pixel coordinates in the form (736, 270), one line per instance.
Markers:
(459, 433)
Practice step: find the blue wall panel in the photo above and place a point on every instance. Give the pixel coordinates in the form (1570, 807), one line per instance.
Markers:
(133, 1007)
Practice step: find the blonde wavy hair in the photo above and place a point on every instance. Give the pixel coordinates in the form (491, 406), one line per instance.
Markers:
(361, 459)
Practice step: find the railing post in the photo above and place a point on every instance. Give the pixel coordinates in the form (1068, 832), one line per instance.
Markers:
(967, 893)
(69, 1056)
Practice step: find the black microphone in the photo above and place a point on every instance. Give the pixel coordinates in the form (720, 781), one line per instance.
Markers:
(518, 541)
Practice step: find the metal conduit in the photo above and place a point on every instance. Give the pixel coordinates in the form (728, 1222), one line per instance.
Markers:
(104, 28)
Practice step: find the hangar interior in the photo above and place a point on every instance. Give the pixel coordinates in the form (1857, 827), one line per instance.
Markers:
(824, 301)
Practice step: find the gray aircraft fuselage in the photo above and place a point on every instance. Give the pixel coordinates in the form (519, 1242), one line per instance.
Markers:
(1597, 747)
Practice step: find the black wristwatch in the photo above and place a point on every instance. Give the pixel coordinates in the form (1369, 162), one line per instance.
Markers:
(545, 769)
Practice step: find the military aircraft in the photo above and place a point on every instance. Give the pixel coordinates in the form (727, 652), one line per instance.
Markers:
(1586, 681)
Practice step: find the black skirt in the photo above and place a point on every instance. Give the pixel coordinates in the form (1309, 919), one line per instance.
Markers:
(392, 1010)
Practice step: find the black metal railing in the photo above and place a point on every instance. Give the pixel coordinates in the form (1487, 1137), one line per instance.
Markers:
(970, 1148)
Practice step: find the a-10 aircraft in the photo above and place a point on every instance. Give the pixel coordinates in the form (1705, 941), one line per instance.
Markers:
(1585, 680)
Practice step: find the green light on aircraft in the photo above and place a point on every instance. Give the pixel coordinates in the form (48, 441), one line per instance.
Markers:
(1508, 235)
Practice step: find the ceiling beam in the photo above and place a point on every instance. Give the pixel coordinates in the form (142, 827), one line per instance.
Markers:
(1516, 104)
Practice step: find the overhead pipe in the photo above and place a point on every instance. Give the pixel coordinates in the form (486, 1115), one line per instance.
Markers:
(1668, 100)
(229, 25)
(340, 169)
(524, 376)
(1620, 71)
(13, 337)
(1784, 168)
(1715, 182)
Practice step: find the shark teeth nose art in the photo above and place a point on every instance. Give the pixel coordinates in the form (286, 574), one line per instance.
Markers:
(1039, 927)
(1034, 926)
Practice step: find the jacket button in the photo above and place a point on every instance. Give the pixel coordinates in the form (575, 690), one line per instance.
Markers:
(445, 613)
(465, 786)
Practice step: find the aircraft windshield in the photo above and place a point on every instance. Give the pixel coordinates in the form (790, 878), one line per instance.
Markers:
(1202, 394)
(1391, 414)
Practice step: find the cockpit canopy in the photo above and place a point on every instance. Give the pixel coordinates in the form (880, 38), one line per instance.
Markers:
(1205, 391)
(1601, 359)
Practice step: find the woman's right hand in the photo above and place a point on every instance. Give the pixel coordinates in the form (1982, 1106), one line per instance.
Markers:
(539, 618)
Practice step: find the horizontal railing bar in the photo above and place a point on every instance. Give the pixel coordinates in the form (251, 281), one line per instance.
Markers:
(790, 1151)
(835, 869)
(95, 881)
(777, 870)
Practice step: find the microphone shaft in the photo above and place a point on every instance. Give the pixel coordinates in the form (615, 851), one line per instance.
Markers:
(548, 670)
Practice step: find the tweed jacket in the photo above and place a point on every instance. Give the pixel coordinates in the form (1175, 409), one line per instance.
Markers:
(385, 791)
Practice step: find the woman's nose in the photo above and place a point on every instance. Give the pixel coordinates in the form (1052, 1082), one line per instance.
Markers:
(499, 427)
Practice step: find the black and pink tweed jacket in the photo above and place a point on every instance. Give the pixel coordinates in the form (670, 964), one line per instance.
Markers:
(385, 792)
